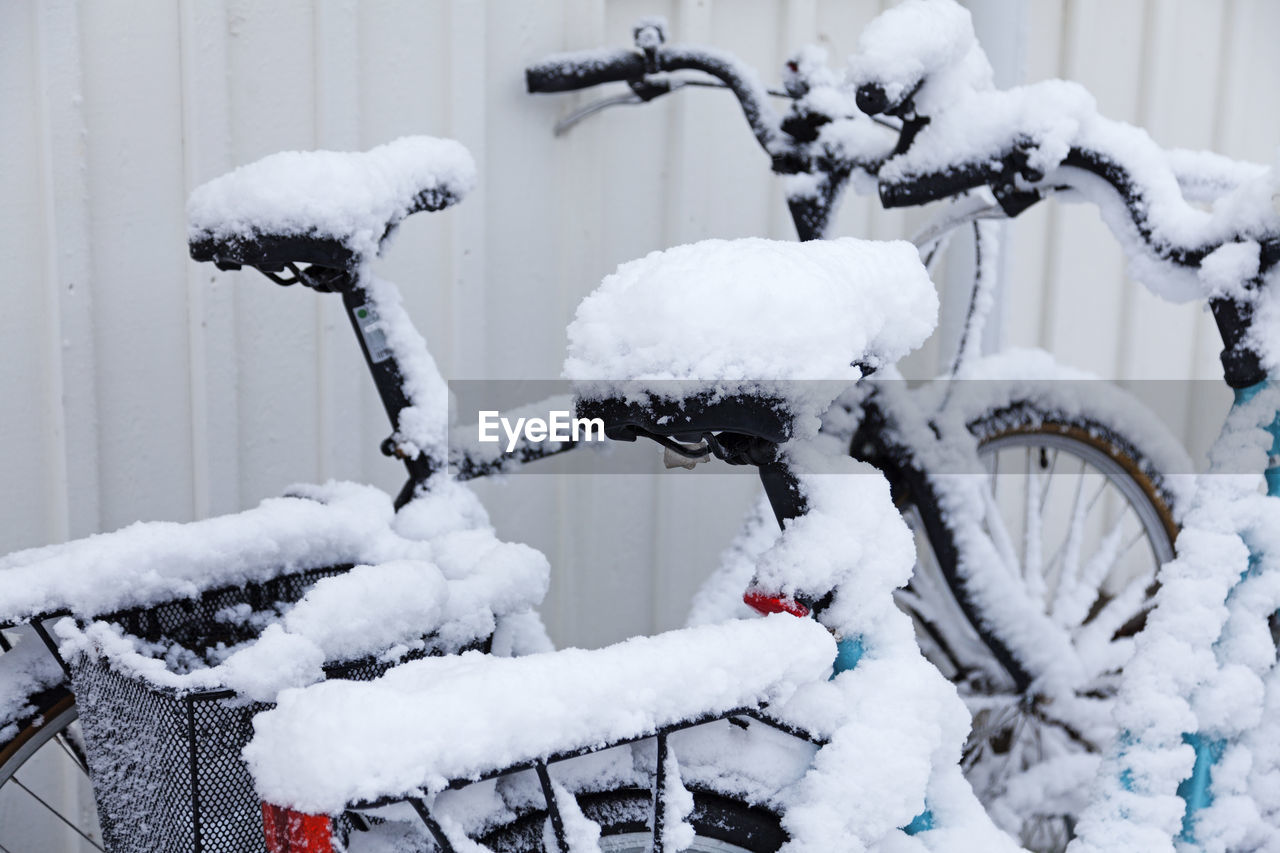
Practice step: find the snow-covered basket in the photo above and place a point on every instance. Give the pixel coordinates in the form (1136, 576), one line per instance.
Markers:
(167, 693)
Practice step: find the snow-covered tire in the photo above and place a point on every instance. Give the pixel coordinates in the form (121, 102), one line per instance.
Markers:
(45, 736)
(722, 825)
(1033, 796)
(55, 711)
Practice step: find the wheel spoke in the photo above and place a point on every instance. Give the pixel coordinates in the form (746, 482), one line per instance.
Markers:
(1115, 613)
(72, 752)
(1048, 476)
(1000, 535)
(1067, 555)
(1068, 545)
(54, 812)
(1033, 535)
(1073, 609)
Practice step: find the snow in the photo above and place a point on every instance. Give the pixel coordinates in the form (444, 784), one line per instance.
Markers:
(1205, 176)
(148, 563)
(1039, 640)
(423, 425)
(444, 532)
(921, 41)
(383, 610)
(1033, 376)
(847, 137)
(751, 315)
(436, 568)
(973, 125)
(25, 670)
(1226, 269)
(893, 709)
(370, 608)
(1205, 663)
(353, 197)
(1049, 119)
(356, 198)
(677, 806)
(582, 835)
(993, 383)
(435, 720)
(990, 384)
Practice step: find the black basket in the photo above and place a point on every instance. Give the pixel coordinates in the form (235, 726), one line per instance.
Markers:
(166, 766)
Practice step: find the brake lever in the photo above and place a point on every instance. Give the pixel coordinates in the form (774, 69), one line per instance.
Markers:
(565, 124)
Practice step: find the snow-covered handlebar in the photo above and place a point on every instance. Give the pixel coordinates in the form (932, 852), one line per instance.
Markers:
(566, 72)
(920, 64)
(1016, 184)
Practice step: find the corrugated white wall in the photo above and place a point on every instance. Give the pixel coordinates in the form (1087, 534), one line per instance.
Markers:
(136, 384)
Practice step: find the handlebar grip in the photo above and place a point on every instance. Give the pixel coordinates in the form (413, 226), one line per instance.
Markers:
(921, 189)
(566, 72)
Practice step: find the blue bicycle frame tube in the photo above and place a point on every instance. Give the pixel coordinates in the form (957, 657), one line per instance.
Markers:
(848, 652)
(1195, 790)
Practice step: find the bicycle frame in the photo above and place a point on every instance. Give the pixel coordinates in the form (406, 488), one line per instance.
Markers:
(1196, 789)
(385, 360)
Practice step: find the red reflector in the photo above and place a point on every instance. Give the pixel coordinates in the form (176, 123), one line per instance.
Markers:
(766, 604)
(288, 831)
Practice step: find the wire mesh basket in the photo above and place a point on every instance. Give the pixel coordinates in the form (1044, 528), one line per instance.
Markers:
(165, 764)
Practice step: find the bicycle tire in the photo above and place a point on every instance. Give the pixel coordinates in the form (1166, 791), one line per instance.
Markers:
(996, 731)
(39, 733)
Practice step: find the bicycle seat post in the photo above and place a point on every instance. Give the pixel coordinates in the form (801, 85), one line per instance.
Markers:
(388, 377)
(782, 488)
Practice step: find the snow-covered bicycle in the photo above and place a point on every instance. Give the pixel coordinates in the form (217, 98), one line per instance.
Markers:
(1085, 486)
(1021, 146)
(206, 626)
(734, 735)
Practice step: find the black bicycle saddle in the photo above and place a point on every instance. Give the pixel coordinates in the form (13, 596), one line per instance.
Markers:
(688, 419)
(327, 208)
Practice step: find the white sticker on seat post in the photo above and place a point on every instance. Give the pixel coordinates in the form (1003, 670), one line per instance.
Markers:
(373, 333)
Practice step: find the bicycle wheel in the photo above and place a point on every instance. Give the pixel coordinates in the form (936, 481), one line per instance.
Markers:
(1081, 521)
(46, 800)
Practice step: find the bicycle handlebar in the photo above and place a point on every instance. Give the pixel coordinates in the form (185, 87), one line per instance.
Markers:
(567, 72)
(1102, 177)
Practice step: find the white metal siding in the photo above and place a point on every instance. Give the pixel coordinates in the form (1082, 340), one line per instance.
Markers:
(136, 384)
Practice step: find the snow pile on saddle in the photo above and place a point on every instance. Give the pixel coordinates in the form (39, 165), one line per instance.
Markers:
(737, 316)
(352, 197)
(431, 721)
